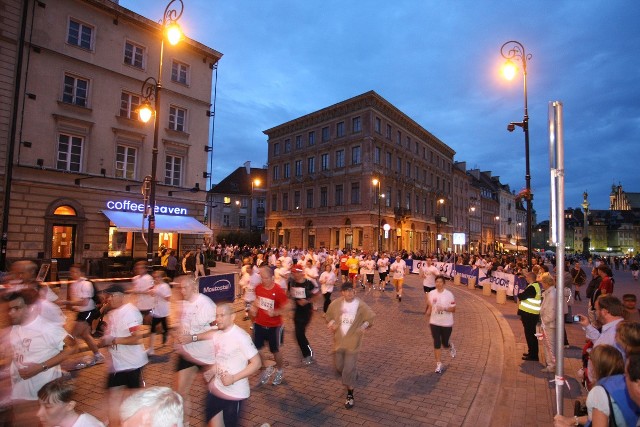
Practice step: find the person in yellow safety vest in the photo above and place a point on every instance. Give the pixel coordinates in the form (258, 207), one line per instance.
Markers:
(529, 312)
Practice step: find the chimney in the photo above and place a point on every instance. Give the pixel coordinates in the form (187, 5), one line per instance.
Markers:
(247, 166)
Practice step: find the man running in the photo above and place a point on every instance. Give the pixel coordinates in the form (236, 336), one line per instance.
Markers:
(428, 272)
(301, 290)
(397, 270)
(441, 305)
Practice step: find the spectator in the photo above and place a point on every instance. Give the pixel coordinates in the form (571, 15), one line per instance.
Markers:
(153, 407)
(57, 407)
(631, 312)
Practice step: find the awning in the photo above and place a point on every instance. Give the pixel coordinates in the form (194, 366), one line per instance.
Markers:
(131, 221)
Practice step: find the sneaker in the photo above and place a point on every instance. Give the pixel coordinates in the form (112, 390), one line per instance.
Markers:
(307, 361)
(98, 358)
(277, 379)
(266, 374)
(349, 402)
(439, 368)
(399, 298)
(452, 350)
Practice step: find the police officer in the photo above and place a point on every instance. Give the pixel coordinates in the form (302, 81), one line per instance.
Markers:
(529, 312)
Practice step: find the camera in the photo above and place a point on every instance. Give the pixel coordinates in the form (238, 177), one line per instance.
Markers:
(576, 318)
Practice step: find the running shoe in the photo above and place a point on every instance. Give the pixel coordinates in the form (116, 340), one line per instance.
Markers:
(307, 361)
(452, 350)
(266, 374)
(98, 358)
(277, 379)
(439, 368)
(349, 402)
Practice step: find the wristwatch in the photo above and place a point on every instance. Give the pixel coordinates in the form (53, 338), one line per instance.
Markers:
(194, 338)
(44, 367)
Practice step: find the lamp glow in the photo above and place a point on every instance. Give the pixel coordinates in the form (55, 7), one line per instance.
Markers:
(174, 34)
(145, 112)
(509, 70)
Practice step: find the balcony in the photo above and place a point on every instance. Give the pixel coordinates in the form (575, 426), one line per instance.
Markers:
(402, 212)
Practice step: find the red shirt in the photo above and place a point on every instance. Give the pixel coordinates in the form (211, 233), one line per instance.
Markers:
(273, 298)
(606, 286)
(343, 263)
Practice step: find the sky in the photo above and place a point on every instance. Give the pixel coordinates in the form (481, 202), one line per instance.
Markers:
(439, 63)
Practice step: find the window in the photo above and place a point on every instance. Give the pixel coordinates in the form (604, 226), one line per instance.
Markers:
(388, 131)
(177, 118)
(276, 149)
(356, 125)
(355, 155)
(339, 201)
(296, 199)
(399, 202)
(408, 171)
(310, 198)
(298, 142)
(179, 72)
(387, 197)
(76, 90)
(417, 206)
(242, 221)
(399, 165)
(355, 193)
(312, 138)
(173, 170)
(79, 34)
(285, 201)
(399, 138)
(260, 202)
(287, 145)
(408, 143)
(377, 125)
(388, 161)
(133, 54)
(69, 152)
(311, 165)
(339, 129)
(324, 162)
(323, 197)
(125, 162)
(276, 172)
(298, 167)
(408, 204)
(225, 220)
(325, 134)
(286, 171)
(129, 104)
(376, 155)
(340, 158)
(274, 203)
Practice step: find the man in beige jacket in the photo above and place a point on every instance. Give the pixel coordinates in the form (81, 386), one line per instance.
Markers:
(348, 317)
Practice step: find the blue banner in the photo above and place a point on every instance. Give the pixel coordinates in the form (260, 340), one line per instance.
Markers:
(219, 288)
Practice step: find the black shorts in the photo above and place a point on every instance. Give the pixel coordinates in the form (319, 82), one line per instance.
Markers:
(369, 278)
(185, 364)
(230, 409)
(441, 335)
(383, 275)
(427, 289)
(273, 334)
(344, 272)
(87, 316)
(145, 312)
(129, 379)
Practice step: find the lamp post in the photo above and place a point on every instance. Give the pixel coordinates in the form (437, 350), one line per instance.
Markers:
(254, 183)
(514, 50)
(472, 210)
(151, 89)
(439, 202)
(495, 232)
(377, 183)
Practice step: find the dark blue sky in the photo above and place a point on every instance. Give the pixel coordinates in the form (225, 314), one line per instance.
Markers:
(439, 63)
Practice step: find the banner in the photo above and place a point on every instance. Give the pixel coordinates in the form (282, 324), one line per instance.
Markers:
(219, 288)
(446, 268)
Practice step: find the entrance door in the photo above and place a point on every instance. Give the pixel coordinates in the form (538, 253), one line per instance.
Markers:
(63, 245)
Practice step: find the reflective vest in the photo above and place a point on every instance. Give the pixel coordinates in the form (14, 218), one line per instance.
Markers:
(532, 305)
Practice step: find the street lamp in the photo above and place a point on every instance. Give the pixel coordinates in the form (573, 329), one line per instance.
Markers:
(472, 210)
(514, 51)
(379, 196)
(151, 89)
(440, 201)
(254, 183)
(497, 218)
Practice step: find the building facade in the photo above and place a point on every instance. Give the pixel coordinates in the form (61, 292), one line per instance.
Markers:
(341, 175)
(82, 155)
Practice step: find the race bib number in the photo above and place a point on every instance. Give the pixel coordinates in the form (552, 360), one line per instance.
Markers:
(298, 293)
(266, 304)
(347, 319)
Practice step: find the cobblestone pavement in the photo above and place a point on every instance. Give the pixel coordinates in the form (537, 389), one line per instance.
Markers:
(485, 385)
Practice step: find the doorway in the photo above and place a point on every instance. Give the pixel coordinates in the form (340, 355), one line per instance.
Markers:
(63, 238)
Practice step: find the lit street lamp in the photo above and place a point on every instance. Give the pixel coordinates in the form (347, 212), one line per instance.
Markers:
(514, 50)
(150, 91)
(495, 232)
(379, 196)
(472, 210)
(254, 183)
(439, 203)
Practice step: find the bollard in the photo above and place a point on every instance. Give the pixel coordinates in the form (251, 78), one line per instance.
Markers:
(486, 288)
(471, 284)
(501, 296)
(456, 279)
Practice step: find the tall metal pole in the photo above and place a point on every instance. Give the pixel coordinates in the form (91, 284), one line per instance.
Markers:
(515, 50)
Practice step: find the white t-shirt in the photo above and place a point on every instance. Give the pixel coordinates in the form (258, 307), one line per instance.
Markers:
(35, 342)
(197, 316)
(232, 350)
(438, 302)
(597, 398)
(82, 289)
(397, 268)
(119, 324)
(368, 266)
(51, 312)
(349, 310)
(280, 276)
(327, 280)
(86, 420)
(161, 306)
(429, 274)
(383, 265)
(143, 283)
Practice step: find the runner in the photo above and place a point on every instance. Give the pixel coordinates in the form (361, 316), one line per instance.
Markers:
(440, 309)
(397, 270)
(428, 273)
(383, 271)
(301, 290)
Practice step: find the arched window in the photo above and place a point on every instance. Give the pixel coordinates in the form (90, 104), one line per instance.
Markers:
(65, 210)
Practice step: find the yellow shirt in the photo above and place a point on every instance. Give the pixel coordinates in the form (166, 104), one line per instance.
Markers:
(353, 265)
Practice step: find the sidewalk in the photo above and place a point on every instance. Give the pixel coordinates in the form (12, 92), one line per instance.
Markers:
(487, 384)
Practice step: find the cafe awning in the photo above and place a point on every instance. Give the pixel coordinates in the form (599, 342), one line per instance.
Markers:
(131, 221)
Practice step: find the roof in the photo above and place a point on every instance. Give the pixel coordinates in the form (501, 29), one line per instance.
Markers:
(239, 181)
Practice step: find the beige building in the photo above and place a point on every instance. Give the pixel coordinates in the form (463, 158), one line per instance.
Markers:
(322, 167)
(81, 154)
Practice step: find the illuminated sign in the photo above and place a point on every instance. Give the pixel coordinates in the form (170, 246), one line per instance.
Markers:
(129, 206)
